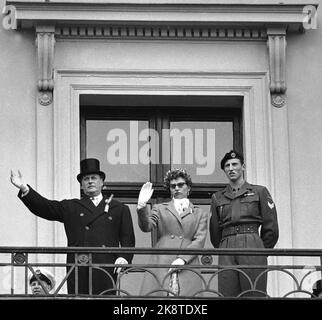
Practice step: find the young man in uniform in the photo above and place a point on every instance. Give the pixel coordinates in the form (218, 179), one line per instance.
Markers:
(243, 215)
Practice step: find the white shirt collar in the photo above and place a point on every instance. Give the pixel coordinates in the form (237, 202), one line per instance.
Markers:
(97, 199)
(181, 204)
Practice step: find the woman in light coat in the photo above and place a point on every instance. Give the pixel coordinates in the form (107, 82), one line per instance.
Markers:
(179, 224)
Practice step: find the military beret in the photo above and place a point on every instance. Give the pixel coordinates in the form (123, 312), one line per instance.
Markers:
(232, 154)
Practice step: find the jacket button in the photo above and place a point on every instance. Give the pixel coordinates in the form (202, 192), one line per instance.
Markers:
(81, 214)
(87, 227)
(172, 236)
(103, 245)
(180, 237)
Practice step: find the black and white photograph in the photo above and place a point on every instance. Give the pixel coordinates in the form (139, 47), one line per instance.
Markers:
(161, 156)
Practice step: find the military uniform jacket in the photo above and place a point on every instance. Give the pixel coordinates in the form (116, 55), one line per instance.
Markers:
(252, 204)
(87, 225)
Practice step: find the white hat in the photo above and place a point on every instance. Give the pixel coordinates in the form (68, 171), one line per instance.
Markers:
(317, 287)
(44, 275)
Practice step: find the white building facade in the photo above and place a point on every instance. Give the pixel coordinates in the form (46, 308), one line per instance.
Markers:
(250, 70)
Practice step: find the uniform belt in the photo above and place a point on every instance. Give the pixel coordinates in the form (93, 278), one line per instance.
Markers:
(240, 228)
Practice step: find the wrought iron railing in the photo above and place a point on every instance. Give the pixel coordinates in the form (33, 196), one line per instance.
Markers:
(292, 273)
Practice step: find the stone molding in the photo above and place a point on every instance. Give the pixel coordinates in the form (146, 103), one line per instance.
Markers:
(162, 20)
(159, 32)
(30, 13)
(264, 166)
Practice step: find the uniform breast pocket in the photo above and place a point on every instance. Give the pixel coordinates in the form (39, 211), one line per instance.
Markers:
(221, 207)
(250, 205)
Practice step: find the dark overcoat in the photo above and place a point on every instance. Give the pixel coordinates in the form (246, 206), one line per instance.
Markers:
(88, 226)
(188, 230)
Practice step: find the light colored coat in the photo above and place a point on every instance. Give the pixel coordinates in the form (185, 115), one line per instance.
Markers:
(188, 230)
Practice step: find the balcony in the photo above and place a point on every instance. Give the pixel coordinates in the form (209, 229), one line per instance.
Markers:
(294, 280)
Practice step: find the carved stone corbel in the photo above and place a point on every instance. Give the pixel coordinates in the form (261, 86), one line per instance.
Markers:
(277, 63)
(45, 43)
(10, 17)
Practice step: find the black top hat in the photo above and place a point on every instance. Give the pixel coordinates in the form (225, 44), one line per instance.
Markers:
(232, 154)
(90, 166)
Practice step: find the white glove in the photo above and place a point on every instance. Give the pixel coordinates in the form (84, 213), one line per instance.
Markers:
(145, 194)
(119, 260)
(177, 262)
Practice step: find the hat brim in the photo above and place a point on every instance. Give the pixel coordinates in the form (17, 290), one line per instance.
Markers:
(81, 175)
(42, 277)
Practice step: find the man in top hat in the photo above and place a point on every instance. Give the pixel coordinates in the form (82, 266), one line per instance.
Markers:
(237, 213)
(92, 221)
(42, 282)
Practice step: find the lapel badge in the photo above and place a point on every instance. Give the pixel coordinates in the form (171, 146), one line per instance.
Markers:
(107, 203)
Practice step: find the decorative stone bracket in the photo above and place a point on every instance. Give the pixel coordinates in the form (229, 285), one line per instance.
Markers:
(276, 51)
(10, 17)
(45, 43)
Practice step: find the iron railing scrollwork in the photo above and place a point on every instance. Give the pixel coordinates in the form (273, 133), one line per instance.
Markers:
(17, 263)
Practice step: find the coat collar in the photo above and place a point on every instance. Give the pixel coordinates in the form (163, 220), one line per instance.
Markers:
(94, 211)
(188, 210)
(88, 203)
(170, 206)
(228, 191)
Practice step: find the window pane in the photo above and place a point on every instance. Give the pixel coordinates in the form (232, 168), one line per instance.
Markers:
(199, 147)
(119, 145)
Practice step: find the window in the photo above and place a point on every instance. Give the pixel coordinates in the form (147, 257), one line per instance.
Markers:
(139, 138)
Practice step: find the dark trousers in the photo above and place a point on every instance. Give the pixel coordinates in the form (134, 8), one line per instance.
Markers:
(232, 283)
(99, 280)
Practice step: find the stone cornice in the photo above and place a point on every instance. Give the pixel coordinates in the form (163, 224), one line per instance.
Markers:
(29, 14)
(208, 20)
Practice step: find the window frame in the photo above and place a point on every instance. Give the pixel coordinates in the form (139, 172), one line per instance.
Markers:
(159, 117)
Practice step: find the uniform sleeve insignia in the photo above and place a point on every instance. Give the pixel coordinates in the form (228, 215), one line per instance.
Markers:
(271, 205)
